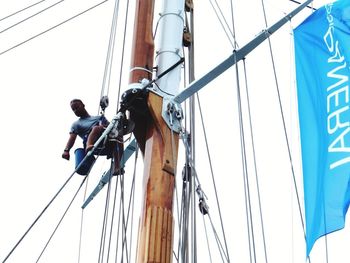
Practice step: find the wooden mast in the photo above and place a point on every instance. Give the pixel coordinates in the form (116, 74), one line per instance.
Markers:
(157, 142)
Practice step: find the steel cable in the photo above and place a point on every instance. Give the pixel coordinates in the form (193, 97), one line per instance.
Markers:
(29, 17)
(53, 27)
(21, 10)
(38, 217)
(60, 221)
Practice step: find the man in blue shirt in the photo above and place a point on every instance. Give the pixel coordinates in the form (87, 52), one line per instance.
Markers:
(89, 128)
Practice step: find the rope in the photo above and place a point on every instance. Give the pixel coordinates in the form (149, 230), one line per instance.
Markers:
(53, 27)
(41, 11)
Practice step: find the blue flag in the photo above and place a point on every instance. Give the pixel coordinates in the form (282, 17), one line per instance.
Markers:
(322, 53)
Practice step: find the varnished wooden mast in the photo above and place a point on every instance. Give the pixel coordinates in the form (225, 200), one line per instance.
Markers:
(159, 146)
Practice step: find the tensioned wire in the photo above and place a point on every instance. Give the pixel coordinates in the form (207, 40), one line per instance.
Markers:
(254, 161)
(123, 52)
(250, 227)
(212, 173)
(43, 32)
(284, 124)
(60, 221)
(227, 29)
(31, 16)
(53, 27)
(110, 52)
(183, 201)
(183, 223)
(21, 10)
(247, 195)
(121, 210)
(45, 209)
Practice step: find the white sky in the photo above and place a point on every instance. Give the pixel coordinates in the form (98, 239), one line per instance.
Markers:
(40, 77)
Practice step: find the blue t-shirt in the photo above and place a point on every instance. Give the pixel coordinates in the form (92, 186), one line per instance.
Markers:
(83, 126)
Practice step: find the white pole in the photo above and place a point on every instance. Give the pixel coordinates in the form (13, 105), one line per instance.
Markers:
(169, 44)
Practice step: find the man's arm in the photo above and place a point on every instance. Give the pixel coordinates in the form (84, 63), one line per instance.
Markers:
(69, 145)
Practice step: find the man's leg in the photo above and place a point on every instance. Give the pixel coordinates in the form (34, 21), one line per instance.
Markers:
(95, 133)
(118, 150)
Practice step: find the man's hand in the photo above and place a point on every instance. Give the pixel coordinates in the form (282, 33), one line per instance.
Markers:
(65, 155)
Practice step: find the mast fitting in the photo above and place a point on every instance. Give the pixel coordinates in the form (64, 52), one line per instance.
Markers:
(203, 206)
(187, 37)
(135, 98)
(188, 5)
(172, 114)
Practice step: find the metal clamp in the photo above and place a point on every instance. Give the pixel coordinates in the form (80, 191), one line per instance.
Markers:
(172, 114)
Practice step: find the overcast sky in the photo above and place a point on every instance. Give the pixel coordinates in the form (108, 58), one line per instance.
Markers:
(40, 74)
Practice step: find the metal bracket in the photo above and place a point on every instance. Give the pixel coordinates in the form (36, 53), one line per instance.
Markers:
(172, 114)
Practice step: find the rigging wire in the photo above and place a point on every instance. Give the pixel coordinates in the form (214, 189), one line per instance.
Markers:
(110, 52)
(123, 51)
(243, 149)
(284, 125)
(247, 196)
(222, 252)
(132, 203)
(221, 248)
(29, 17)
(223, 23)
(21, 10)
(254, 162)
(60, 221)
(206, 237)
(104, 224)
(38, 217)
(118, 224)
(53, 27)
(212, 174)
(82, 221)
(192, 152)
(233, 25)
(112, 220)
